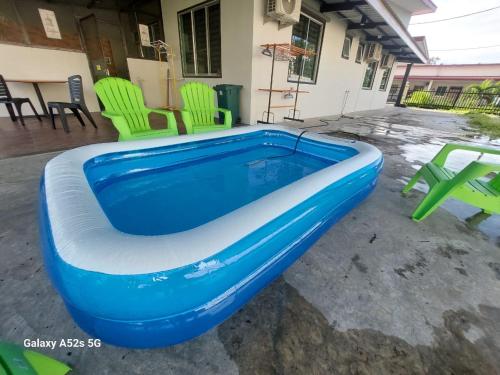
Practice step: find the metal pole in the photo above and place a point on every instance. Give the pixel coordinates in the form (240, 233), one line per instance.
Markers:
(271, 85)
(403, 85)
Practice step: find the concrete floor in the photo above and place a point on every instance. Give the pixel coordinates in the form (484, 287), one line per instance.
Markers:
(377, 294)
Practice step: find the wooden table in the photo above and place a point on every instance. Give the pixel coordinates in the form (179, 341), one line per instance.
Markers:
(35, 83)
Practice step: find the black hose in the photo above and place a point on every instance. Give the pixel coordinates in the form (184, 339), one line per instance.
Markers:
(281, 156)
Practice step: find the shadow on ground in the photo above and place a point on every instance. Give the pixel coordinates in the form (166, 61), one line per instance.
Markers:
(279, 332)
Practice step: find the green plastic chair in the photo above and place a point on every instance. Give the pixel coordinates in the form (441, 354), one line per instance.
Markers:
(15, 360)
(199, 110)
(468, 185)
(125, 107)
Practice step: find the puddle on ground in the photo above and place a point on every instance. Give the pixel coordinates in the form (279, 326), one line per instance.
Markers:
(279, 332)
(418, 144)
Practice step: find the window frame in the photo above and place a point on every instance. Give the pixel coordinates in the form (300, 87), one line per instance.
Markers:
(349, 38)
(374, 75)
(321, 22)
(360, 60)
(388, 71)
(204, 5)
(438, 93)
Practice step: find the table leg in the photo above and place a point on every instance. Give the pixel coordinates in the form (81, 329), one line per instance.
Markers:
(40, 99)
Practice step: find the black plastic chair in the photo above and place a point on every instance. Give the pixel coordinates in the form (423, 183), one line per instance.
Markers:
(7, 99)
(77, 103)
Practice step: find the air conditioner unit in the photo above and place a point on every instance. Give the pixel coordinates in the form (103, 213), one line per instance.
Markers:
(387, 61)
(285, 11)
(373, 52)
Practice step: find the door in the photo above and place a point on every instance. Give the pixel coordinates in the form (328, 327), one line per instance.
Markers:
(104, 47)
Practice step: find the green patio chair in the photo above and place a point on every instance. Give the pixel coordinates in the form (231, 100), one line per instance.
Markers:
(125, 107)
(199, 110)
(470, 185)
(15, 360)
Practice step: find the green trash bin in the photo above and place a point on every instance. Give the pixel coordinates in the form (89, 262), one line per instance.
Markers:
(228, 97)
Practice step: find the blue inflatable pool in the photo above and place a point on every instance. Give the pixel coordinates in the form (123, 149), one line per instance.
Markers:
(151, 243)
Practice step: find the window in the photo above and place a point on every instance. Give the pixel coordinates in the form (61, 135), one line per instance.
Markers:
(441, 90)
(371, 69)
(360, 52)
(418, 88)
(385, 79)
(199, 34)
(307, 34)
(456, 89)
(346, 48)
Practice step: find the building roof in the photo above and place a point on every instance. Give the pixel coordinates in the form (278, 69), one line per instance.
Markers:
(455, 72)
(380, 23)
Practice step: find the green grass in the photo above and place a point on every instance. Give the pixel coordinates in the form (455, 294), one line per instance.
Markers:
(485, 123)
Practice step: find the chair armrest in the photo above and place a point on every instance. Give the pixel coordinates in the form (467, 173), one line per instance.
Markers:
(119, 121)
(187, 119)
(111, 115)
(171, 121)
(442, 155)
(228, 116)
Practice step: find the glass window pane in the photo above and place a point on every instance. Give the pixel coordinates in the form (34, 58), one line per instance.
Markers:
(187, 54)
(214, 35)
(385, 79)
(359, 52)
(305, 34)
(200, 38)
(371, 69)
(346, 49)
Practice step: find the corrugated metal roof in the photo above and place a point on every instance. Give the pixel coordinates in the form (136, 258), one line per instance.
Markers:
(402, 43)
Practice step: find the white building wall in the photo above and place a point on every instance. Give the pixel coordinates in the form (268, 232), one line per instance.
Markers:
(151, 77)
(243, 62)
(236, 45)
(336, 75)
(20, 62)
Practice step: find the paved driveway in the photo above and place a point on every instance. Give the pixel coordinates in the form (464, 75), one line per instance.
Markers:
(377, 294)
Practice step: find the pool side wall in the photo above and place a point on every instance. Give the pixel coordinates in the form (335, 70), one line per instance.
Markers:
(165, 308)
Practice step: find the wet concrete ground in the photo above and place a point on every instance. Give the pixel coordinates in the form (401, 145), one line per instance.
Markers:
(377, 294)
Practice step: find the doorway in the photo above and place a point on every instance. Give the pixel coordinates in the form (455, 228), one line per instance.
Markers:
(105, 48)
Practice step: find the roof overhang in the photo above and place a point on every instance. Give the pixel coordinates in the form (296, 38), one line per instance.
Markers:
(379, 23)
(448, 78)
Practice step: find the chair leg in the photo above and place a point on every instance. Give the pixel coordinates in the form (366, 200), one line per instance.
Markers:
(10, 109)
(64, 120)
(52, 117)
(434, 198)
(20, 112)
(411, 183)
(77, 115)
(34, 111)
(86, 112)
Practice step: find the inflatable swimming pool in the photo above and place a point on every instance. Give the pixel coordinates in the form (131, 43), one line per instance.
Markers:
(153, 242)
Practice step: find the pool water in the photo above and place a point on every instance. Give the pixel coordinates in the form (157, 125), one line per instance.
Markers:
(169, 200)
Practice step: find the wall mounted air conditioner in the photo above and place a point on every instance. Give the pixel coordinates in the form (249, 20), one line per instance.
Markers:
(387, 61)
(285, 11)
(373, 52)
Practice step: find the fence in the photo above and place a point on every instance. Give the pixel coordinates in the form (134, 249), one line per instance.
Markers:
(451, 99)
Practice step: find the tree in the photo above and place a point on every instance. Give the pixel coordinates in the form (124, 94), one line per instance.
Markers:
(434, 60)
(485, 90)
(485, 87)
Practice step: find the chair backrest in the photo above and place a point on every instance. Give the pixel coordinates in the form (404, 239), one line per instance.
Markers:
(76, 89)
(199, 99)
(4, 90)
(124, 98)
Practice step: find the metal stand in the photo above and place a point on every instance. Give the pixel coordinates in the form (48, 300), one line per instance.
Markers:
(294, 110)
(270, 92)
